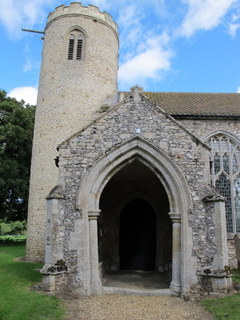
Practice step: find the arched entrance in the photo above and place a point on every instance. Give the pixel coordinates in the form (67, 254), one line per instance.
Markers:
(137, 240)
(135, 229)
(90, 203)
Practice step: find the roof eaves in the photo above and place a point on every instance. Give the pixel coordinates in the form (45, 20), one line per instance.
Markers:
(204, 117)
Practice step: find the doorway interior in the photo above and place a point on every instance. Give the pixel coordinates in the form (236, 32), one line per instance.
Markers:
(137, 236)
(134, 229)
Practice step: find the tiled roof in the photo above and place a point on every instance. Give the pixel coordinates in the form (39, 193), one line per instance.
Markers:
(197, 104)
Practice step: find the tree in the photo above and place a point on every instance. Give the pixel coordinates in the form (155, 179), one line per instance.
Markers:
(16, 132)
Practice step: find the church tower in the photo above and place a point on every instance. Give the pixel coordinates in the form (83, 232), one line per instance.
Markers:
(78, 78)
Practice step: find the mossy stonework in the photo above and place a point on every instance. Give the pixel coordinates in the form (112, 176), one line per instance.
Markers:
(132, 185)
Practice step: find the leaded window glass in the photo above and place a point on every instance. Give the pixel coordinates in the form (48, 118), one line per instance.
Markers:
(225, 173)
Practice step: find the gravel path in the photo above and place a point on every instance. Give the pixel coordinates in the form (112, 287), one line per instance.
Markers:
(119, 307)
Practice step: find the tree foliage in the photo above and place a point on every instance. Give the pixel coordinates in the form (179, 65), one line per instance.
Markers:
(16, 131)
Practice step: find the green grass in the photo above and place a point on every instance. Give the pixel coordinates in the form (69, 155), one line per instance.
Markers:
(227, 308)
(17, 300)
(236, 276)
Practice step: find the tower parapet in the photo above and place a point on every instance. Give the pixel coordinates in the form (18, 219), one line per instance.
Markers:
(76, 8)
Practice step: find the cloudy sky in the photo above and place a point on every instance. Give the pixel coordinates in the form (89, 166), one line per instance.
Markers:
(165, 45)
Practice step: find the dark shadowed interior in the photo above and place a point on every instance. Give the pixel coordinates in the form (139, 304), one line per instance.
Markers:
(134, 228)
(137, 241)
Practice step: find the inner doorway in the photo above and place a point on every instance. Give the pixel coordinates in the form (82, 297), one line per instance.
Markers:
(134, 229)
(137, 243)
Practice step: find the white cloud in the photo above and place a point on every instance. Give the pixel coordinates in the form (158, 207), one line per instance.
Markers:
(146, 52)
(148, 64)
(131, 26)
(234, 24)
(31, 63)
(17, 14)
(103, 4)
(28, 94)
(204, 15)
(129, 16)
(27, 66)
(238, 90)
(233, 28)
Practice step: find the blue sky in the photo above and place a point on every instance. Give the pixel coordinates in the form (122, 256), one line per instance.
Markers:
(165, 45)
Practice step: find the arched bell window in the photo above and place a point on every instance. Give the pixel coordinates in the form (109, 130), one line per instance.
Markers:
(225, 174)
(76, 43)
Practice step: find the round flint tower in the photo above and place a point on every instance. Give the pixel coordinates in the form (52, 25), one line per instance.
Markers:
(78, 76)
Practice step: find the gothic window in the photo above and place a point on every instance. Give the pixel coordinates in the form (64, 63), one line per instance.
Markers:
(75, 45)
(225, 173)
(71, 47)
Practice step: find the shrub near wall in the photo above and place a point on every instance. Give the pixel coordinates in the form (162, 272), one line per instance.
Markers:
(12, 231)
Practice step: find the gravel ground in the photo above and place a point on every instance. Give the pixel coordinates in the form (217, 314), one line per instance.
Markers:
(119, 307)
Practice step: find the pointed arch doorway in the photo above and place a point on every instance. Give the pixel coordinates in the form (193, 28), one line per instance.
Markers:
(135, 230)
(90, 202)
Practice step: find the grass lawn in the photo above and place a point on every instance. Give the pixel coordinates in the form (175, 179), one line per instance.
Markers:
(17, 300)
(227, 308)
(236, 276)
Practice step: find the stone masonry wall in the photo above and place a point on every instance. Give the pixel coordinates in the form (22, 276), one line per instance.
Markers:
(70, 91)
(111, 130)
(203, 128)
(232, 252)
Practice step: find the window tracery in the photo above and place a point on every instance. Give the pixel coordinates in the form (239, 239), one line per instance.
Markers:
(225, 173)
(75, 45)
